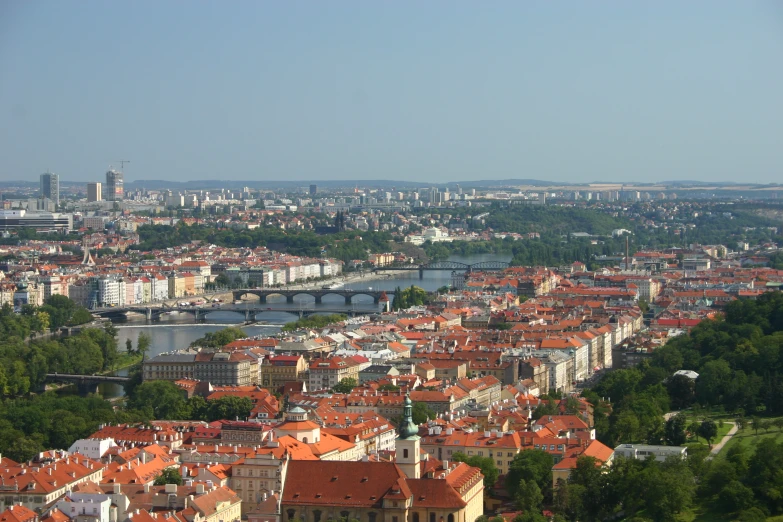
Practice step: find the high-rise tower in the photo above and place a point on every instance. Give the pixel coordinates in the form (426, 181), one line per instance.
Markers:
(50, 187)
(94, 192)
(114, 186)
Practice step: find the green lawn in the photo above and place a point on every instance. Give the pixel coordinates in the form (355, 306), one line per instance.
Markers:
(722, 432)
(748, 438)
(704, 513)
(125, 360)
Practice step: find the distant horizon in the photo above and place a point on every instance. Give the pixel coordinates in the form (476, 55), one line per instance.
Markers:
(489, 183)
(429, 92)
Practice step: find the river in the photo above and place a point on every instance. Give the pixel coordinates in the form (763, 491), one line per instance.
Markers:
(176, 332)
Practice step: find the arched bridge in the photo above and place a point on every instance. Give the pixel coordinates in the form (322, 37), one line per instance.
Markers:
(289, 295)
(85, 383)
(248, 309)
(454, 266)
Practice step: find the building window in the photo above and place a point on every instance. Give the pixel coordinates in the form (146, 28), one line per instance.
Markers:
(415, 517)
(371, 516)
(405, 453)
(291, 513)
(432, 517)
(317, 515)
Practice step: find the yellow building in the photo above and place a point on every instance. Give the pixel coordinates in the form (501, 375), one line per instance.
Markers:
(276, 371)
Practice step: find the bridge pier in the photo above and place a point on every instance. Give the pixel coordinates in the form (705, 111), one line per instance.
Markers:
(348, 300)
(318, 299)
(421, 273)
(148, 314)
(289, 299)
(87, 387)
(376, 299)
(262, 298)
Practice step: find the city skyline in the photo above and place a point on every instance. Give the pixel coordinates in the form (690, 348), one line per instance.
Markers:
(436, 93)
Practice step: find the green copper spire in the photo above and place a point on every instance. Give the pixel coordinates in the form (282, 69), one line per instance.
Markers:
(408, 429)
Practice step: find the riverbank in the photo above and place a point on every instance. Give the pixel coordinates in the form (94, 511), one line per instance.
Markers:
(125, 360)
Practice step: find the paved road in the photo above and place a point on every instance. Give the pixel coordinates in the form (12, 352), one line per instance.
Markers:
(667, 416)
(719, 446)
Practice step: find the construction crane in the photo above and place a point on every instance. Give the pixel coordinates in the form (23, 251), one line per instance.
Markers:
(122, 163)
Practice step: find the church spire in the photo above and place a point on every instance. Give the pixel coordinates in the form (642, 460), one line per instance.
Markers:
(408, 429)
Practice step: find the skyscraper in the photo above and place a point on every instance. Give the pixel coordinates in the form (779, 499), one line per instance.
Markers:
(114, 188)
(50, 187)
(313, 190)
(94, 192)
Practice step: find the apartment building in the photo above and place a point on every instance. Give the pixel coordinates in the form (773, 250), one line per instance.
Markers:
(38, 485)
(278, 370)
(224, 368)
(327, 373)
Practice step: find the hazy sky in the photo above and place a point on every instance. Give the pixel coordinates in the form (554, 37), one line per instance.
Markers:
(425, 90)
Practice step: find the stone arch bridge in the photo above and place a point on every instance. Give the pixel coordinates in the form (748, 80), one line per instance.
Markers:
(289, 295)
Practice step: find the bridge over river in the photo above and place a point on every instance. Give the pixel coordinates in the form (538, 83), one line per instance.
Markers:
(85, 383)
(248, 310)
(454, 266)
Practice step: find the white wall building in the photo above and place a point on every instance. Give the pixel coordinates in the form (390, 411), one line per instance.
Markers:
(92, 448)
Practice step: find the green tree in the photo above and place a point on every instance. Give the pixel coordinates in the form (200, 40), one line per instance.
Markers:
(530, 465)
(545, 409)
(42, 322)
(80, 316)
(627, 426)
(737, 497)
(160, 400)
(143, 343)
(528, 497)
(169, 476)
(220, 338)
(669, 490)
(675, 430)
(314, 322)
(708, 430)
(199, 409)
(693, 429)
(753, 514)
(222, 281)
(487, 465)
(345, 385)
(84, 355)
(422, 413)
(682, 390)
(756, 423)
(229, 407)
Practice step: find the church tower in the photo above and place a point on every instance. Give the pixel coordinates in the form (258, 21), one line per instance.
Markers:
(408, 444)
